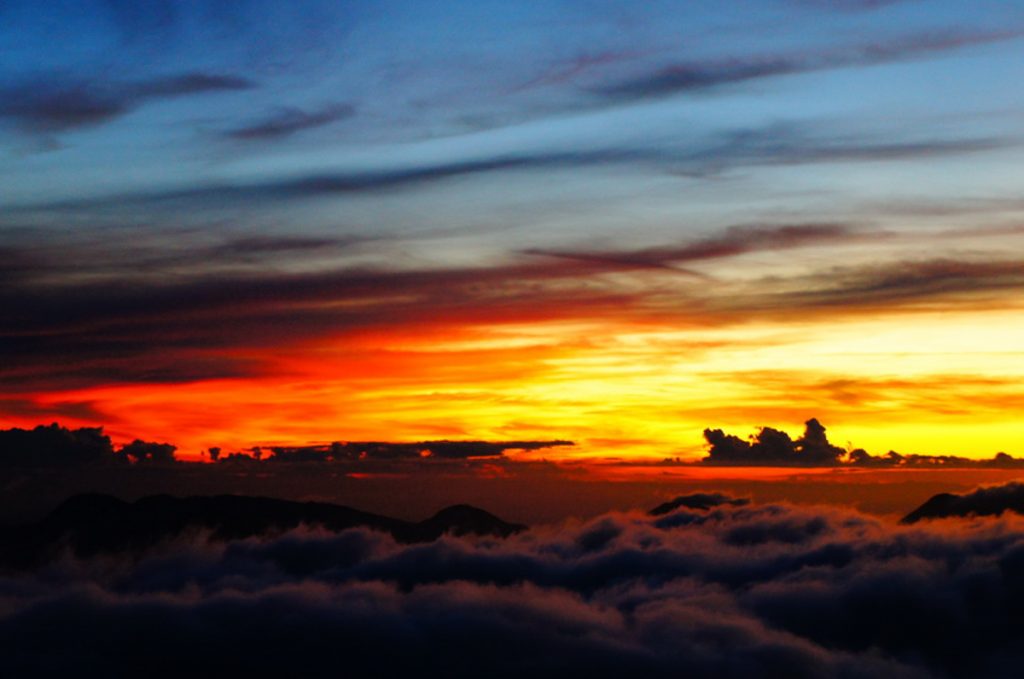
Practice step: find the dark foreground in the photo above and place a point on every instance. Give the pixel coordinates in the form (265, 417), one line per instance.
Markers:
(706, 586)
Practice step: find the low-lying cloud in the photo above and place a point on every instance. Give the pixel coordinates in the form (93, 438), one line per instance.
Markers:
(728, 590)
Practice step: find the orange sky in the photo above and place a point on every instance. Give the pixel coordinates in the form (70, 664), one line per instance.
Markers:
(946, 382)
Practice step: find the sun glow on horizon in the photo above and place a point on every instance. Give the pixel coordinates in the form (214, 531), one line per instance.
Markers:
(633, 391)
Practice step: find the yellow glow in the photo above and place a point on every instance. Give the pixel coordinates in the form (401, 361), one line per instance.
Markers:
(917, 383)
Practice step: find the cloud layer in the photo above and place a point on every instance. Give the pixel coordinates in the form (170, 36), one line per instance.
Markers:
(726, 590)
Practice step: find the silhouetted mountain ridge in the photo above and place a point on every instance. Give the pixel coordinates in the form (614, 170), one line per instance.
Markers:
(700, 501)
(988, 501)
(91, 524)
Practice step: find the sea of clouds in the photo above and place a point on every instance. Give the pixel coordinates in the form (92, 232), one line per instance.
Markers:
(725, 589)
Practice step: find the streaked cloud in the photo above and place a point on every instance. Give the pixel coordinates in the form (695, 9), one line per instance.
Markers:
(51, 103)
(288, 121)
(697, 76)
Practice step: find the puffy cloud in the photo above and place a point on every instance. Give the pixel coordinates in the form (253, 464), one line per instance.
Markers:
(727, 591)
(58, 447)
(773, 447)
(149, 452)
(54, 446)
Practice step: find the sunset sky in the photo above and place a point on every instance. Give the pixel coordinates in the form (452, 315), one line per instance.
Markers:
(617, 223)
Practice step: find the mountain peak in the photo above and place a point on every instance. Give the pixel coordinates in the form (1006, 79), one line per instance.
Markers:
(985, 501)
(94, 524)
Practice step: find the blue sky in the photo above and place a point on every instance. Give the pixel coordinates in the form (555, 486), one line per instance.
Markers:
(763, 96)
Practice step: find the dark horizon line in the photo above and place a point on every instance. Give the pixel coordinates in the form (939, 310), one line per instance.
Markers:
(54, 445)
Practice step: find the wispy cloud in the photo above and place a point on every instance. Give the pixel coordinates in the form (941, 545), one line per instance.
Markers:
(736, 240)
(288, 121)
(849, 5)
(697, 157)
(116, 321)
(906, 282)
(695, 76)
(51, 103)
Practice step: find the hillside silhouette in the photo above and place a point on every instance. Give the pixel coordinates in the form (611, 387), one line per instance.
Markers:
(92, 524)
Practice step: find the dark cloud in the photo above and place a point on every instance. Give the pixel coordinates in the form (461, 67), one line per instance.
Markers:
(145, 317)
(697, 501)
(147, 452)
(736, 240)
(861, 458)
(188, 83)
(288, 121)
(379, 450)
(248, 245)
(54, 446)
(109, 360)
(991, 501)
(51, 103)
(908, 281)
(729, 591)
(180, 252)
(28, 408)
(364, 181)
(774, 448)
(849, 5)
(50, 107)
(800, 145)
(703, 75)
(105, 327)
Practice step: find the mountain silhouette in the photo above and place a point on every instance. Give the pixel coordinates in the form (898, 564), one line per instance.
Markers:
(990, 501)
(91, 524)
(700, 501)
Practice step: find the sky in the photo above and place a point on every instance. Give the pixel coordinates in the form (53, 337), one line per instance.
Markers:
(615, 223)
